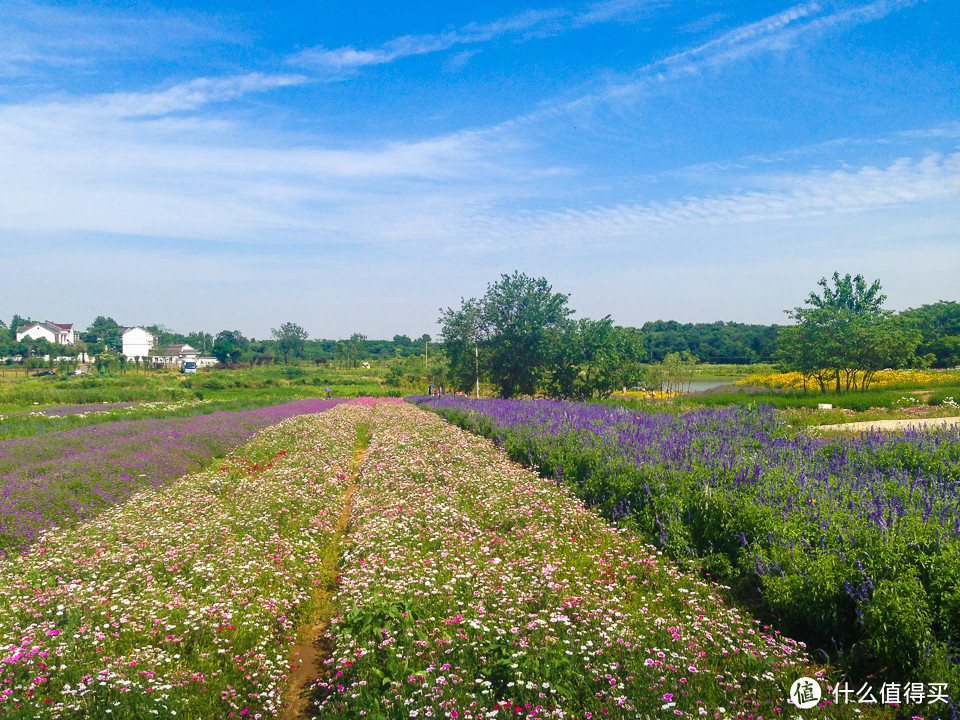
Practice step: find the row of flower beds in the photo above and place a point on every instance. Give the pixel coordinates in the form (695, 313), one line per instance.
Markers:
(471, 588)
(61, 479)
(183, 601)
(853, 542)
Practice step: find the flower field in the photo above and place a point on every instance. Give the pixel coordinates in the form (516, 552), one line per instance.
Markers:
(854, 543)
(881, 379)
(60, 479)
(467, 587)
(184, 600)
(471, 588)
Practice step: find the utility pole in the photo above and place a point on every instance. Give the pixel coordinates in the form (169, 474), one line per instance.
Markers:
(476, 355)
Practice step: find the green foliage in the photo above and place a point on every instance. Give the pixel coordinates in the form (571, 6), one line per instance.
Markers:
(719, 342)
(519, 337)
(844, 337)
(593, 358)
(103, 333)
(848, 294)
(939, 327)
(353, 349)
(290, 339)
(229, 346)
(897, 622)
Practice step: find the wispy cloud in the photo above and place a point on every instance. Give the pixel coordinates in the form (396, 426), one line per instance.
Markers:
(36, 37)
(524, 25)
(934, 178)
(187, 96)
(776, 33)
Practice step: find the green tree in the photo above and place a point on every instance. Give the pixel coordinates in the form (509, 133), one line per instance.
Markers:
(354, 349)
(593, 358)
(15, 323)
(844, 337)
(849, 294)
(516, 322)
(678, 369)
(229, 346)
(202, 341)
(463, 333)
(939, 326)
(290, 339)
(103, 333)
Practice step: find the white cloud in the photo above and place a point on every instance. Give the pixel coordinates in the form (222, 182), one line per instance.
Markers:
(524, 25)
(35, 38)
(777, 33)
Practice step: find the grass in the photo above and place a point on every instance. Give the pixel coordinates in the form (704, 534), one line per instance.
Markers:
(170, 394)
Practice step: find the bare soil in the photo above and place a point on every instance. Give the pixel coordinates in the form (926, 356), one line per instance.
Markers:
(314, 647)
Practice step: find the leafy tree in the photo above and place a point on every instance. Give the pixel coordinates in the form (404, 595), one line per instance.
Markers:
(844, 337)
(850, 294)
(463, 333)
(354, 349)
(163, 335)
(939, 326)
(678, 370)
(15, 323)
(202, 341)
(229, 346)
(516, 322)
(290, 339)
(593, 358)
(718, 342)
(103, 333)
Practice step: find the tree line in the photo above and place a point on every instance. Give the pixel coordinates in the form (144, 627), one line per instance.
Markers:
(290, 342)
(521, 338)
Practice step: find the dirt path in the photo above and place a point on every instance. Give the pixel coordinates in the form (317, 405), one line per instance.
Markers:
(314, 646)
(916, 424)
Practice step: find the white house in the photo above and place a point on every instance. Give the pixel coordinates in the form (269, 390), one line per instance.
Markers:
(136, 342)
(173, 355)
(59, 333)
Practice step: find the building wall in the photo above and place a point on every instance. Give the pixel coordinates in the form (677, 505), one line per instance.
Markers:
(37, 333)
(137, 343)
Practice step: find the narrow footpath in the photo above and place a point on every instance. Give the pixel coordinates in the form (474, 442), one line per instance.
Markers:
(314, 646)
(891, 425)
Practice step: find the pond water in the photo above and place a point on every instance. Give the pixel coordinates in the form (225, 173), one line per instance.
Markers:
(708, 383)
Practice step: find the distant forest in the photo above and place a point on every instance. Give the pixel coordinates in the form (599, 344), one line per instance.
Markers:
(716, 342)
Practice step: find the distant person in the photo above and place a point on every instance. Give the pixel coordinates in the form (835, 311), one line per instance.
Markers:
(329, 392)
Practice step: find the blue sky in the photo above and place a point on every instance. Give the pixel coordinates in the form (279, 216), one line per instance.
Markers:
(355, 167)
